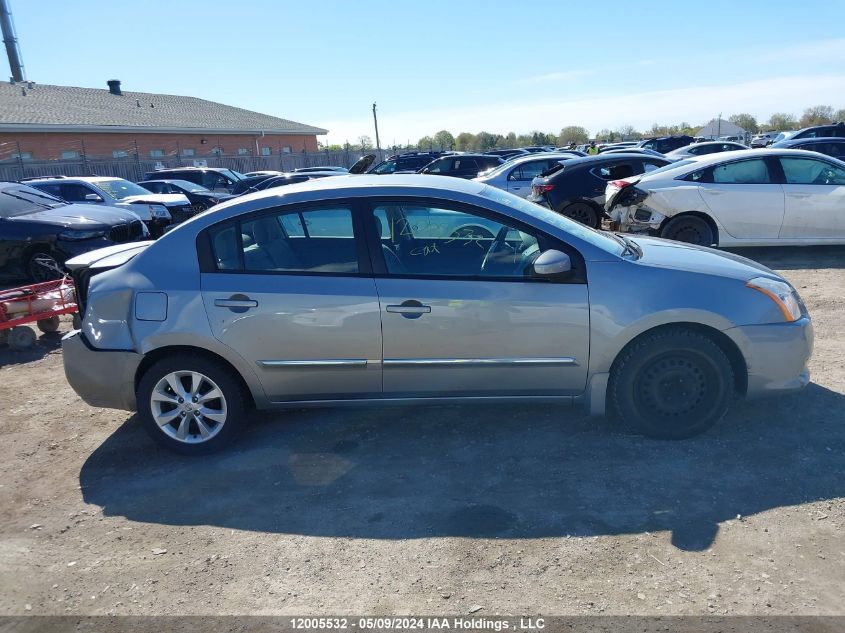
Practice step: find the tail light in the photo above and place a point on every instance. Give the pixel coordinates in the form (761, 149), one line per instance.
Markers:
(538, 189)
(621, 184)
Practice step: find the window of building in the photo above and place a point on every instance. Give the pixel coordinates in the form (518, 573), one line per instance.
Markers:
(119, 153)
(156, 153)
(285, 149)
(69, 154)
(22, 156)
(217, 150)
(266, 151)
(243, 151)
(188, 151)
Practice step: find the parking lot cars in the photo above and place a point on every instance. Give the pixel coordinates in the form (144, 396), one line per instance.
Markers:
(38, 232)
(213, 178)
(701, 149)
(461, 165)
(325, 292)
(832, 146)
(199, 197)
(409, 162)
(758, 197)
(764, 139)
(305, 170)
(508, 153)
(664, 144)
(516, 175)
(576, 188)
(156, 210)
(818, 131)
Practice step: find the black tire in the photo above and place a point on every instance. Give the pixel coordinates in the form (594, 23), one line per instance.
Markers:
(21, 337)
(50, 325)
(233, 402)
(76, 321)
(43, 266)
(672, 384)
(690, 229)
(582, 212)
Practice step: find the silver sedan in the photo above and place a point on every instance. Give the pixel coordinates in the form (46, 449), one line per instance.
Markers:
(360, 290)
(515, 175)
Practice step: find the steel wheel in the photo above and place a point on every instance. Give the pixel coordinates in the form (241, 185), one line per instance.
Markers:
(689, 229)
(674, 386)
(188, 407)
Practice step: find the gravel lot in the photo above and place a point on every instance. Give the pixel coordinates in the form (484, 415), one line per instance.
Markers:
(431, 510)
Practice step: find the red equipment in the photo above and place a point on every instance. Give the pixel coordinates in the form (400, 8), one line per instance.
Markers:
(41, 304)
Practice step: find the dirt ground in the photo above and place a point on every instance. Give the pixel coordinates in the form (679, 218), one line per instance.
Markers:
(431, 510)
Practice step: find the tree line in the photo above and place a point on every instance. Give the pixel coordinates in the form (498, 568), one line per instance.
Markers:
(486, 141)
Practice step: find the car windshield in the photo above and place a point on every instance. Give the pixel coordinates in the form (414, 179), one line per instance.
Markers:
(599, 239)
(21, 200)
(120, 188)
(188, 186)
(231, 173)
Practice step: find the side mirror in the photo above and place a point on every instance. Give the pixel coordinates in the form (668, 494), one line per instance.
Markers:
(92, 197)
(551, 263)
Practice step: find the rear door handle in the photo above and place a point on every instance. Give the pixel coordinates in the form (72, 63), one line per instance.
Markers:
(236, 303)
(409, 309)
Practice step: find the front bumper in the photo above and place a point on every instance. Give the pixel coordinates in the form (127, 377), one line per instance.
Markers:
(776, 355)
(156, 226)
(102, 378)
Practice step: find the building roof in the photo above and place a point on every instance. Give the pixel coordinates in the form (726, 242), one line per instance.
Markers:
(43, 107)
(720, 127)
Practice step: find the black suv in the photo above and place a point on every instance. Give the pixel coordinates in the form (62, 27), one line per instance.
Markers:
(821, 131)
(461, 165)
(665, 144)
(212, 178)
(575, 188)
(410, 162)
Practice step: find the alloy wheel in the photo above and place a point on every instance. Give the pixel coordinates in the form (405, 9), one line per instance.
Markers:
(188, 407)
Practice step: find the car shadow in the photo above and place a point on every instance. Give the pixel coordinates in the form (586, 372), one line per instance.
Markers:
(485, 472)
(45, 344)
(795, 257)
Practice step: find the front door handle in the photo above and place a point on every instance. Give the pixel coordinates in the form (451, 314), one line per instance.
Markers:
(236, 303)
(410, 309)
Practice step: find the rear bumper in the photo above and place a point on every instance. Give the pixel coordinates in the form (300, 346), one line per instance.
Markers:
(776, 355)
(102, 378)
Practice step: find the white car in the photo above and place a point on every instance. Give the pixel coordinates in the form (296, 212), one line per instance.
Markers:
(753, 197)
(156, 210)
(516, 175)
(702, 149)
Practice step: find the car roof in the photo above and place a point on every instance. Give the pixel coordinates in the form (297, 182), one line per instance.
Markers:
(789, 142)
(530, 158)
(700, 162)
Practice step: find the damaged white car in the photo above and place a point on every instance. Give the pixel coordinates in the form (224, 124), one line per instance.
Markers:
(758, 197)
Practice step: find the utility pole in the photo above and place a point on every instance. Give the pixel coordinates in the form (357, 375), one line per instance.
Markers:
(11, 41)
(375, 120)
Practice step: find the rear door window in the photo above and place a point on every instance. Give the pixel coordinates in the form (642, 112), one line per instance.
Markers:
(743, 172)
(806, 171)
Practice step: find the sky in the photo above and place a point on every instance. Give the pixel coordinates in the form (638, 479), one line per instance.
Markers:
(460, 65)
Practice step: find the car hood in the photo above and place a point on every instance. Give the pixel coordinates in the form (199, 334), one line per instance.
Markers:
(698, 259)
(166, 199)
(79, 216)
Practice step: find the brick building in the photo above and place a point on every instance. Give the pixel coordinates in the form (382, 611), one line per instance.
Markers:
(43, 122)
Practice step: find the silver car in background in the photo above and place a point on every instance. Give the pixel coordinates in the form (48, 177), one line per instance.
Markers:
(358, 290)
(515, 175)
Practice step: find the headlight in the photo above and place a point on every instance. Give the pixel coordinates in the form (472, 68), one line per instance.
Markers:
(781, 293)
(158, 211)
(74, 235)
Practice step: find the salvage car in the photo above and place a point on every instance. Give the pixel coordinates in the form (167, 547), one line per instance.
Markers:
(753, 197)
(38, 232)
(832, 146)
(325, 293)
(576, 188)
(701, 149)
(516, 175)
(156, 210)
(199, 197)
(461, 165)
